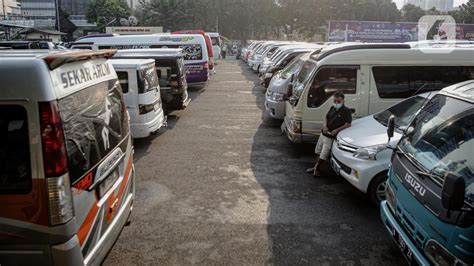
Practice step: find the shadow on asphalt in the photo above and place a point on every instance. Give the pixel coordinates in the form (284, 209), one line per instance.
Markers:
(310, 220)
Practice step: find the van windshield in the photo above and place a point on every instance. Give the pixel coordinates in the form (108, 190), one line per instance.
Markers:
(293, 68)
(441, 140)
(302, 78)
(95, 122)
(403, 112)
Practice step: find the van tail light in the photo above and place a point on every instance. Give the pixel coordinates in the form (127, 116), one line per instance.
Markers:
(206, 66)
(52, 139)
(60, 204)
(211, 63)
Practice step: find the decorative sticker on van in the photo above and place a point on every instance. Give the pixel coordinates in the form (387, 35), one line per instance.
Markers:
(176, 39)
(72, 77)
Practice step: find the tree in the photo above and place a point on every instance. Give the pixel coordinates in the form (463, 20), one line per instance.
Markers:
(412, 13)
(104, 12)
(465, 14)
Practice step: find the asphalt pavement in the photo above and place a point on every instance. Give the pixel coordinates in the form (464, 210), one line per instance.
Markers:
(222, 186)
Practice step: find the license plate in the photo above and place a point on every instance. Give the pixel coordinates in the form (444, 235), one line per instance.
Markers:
(335, 167)
(107, 183)
(402, 245)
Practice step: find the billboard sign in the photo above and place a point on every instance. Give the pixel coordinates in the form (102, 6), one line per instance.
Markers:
(386, 32)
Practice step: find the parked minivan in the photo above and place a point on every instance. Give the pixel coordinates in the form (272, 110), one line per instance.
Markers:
(66, 158)
(277, 92)
(429, 206)
(171, 73)
(141, 90)
(216, 43)
(372, 76)
(361, 153)
(193, 46)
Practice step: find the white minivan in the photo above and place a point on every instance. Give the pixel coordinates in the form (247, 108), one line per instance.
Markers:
(362, 154)
(141, 90)
(216, 43)
(372, 77)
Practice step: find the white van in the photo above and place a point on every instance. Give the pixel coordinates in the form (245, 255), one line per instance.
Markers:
(141, 90)
(193, 46)
(372, 76)
(67, 180)
(216, 43)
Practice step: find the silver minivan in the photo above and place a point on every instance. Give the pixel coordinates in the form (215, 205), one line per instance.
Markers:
(67, 177)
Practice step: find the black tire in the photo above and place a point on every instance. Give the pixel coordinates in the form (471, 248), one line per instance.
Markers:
(376, 191)
(165, 108)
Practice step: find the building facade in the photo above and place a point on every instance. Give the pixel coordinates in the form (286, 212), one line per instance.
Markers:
(9, 9)
(441, 5)
(41, 12)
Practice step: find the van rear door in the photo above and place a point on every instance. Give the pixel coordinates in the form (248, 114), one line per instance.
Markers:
(99, 151)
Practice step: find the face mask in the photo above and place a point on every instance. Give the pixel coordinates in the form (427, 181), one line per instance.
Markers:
(338, 106)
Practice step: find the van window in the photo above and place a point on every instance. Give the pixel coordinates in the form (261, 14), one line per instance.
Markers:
(123, 80)
(94, 122)
(398, 82)
(215, 41)
(328, 81)
(15, 168)
(148, 80)
(166, 67)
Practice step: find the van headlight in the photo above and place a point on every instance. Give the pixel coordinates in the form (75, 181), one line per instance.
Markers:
(295, 125)
(438, 255)
(369, 153)
(279, 97)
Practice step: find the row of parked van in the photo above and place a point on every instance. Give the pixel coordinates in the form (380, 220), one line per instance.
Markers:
(413, 107)
(67, 119)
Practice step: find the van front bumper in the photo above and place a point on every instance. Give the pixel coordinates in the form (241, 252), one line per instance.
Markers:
(275, 109)
(358, 172)
(399, 236)
(292, 136)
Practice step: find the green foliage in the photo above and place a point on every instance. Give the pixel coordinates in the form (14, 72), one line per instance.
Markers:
(465, 14)
(104, 12)
(263, 19)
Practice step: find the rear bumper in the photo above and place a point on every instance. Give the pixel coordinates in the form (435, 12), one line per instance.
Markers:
(392, 226)
(145, 130)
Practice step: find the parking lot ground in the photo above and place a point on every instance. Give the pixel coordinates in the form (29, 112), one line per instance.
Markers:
(222, 186)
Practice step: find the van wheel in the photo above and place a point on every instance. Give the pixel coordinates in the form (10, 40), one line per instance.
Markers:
(377, 187)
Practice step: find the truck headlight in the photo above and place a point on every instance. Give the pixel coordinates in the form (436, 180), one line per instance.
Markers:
(438, 255)
(369, 153)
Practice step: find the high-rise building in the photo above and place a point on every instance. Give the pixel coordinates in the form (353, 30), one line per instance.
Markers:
(41, 12)
(9, 9)
(77, 9)
(441, 5)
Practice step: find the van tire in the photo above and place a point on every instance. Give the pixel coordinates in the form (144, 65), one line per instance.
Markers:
(376, 191)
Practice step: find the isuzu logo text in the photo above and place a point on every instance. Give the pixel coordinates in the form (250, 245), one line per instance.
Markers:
(415, 185)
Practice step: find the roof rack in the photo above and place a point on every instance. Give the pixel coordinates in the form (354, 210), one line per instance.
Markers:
(333, 49)
(56, 60)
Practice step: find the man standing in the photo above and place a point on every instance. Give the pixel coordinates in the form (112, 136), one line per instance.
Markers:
(224, 51)
(338, 118)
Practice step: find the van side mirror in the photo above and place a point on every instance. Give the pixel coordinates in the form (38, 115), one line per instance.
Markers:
(293, 100)
(391, 127)
(452, 195)
(292, 78)
(289, 90)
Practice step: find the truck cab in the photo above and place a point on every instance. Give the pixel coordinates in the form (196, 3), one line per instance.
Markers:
(429, 207)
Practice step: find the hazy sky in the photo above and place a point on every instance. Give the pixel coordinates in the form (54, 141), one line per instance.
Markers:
(456, 2)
